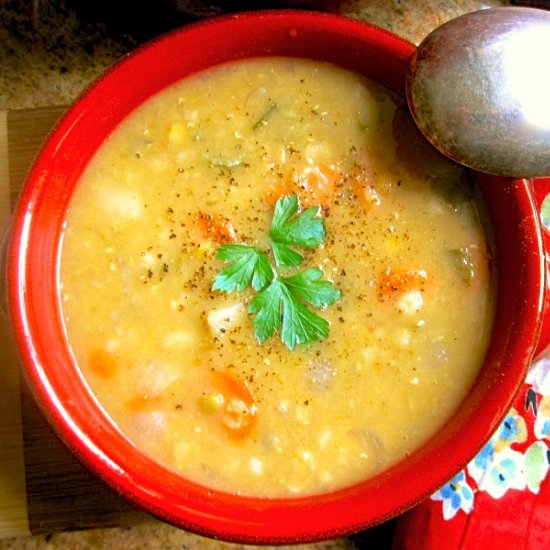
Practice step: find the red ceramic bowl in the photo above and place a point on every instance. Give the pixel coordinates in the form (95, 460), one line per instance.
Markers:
(33, 298)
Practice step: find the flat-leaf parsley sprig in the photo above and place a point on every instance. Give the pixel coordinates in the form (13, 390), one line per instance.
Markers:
(281, 303)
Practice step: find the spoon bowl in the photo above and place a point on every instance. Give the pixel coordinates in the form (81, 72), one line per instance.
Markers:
(478, 88)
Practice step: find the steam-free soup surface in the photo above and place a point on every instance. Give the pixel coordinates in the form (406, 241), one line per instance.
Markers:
(178, 366)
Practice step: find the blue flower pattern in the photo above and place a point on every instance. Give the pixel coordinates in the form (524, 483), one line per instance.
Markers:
(545, 429)
(483, 458)
(456, 495)
(498, 468)
(504, 472)
(510, 429)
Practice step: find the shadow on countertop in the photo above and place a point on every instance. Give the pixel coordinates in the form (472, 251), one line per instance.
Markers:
(147, 19)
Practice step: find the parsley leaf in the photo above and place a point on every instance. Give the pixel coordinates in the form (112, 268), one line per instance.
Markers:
(249, 266)
(300, 325)
(310, 288)
(287, 228)
(285, 256)
(282, 303)
(267, 307)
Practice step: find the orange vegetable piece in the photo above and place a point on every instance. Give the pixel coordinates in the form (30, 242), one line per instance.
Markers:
(238, 409)
(216, 227)
(319, 186)
(402, 281)
(141, 403)
(316, 186)
(363, 183)
(282, 190)
(102, 363)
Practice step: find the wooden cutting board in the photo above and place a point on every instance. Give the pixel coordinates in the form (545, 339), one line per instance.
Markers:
(43, 487)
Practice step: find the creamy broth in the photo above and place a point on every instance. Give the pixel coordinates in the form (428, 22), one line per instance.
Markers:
(203, 162)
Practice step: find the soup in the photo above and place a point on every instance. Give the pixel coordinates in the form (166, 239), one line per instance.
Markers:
(270, 284)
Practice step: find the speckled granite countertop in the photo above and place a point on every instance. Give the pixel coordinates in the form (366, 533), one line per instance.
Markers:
(50, 50)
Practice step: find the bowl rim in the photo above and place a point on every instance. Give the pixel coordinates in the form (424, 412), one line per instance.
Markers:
(187, 505)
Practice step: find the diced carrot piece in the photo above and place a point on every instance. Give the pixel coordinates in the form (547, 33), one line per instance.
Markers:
(402, 281)
(237, 412)
(281, 190)
(316, 186)
(102, 363)
(216, 227)
(141, 403)
(363, 183)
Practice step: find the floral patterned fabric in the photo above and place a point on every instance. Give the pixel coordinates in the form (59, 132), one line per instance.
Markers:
(502, 498)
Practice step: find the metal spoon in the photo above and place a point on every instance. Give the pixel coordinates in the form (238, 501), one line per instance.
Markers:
(478, 88)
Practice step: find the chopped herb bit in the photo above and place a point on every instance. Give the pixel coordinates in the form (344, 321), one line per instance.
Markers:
(262, 121)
